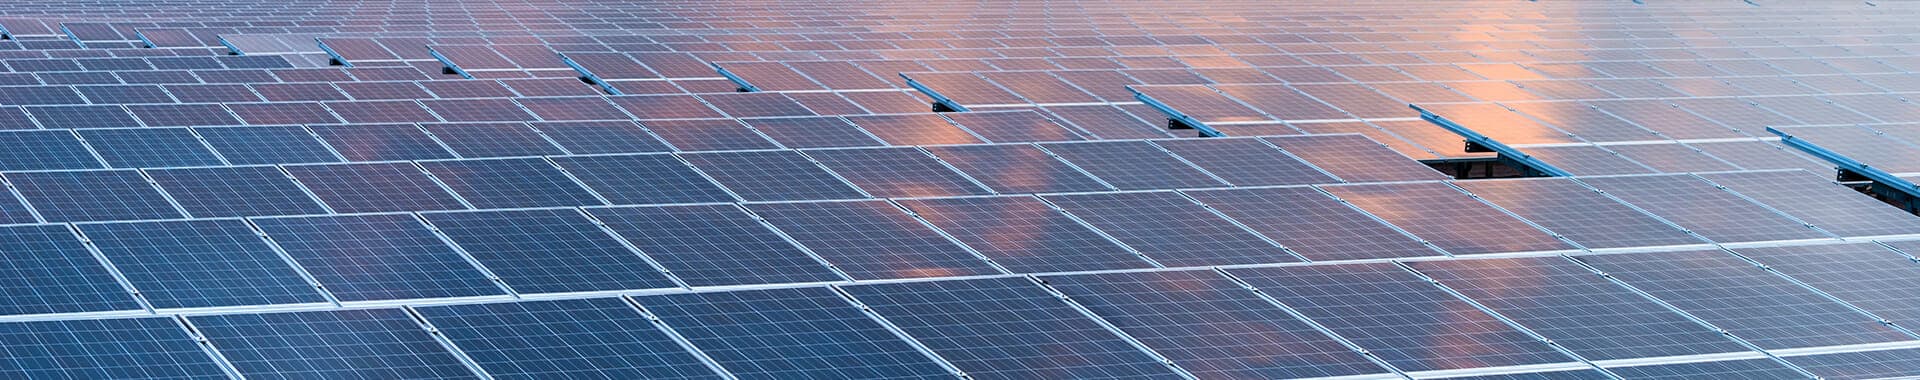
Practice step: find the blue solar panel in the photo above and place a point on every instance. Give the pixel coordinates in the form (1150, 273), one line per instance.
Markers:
(1171, 229)
(200, 263)
(1246, 162)
(1820, 202)
(365, 344)
(79, 196)
(510, 183)
(1017, 168)
(1211, 326)
(1133, 165)
(1447, 218)
(713, 245)
(378, 256)
(1007, 328)
(149, 147)
(600, 137)
(479, 140)
(1312, 224)
(1862, 365)
(814, 132)
(1744, 369)
(643, 179)
(1024, 235)
(1579, 310)
(1580, 214)
(13, 210)
(142, 348)
(703, 135)
(1399, 317)
(772, 176)
(267, 145)
(548, 251)
(896, 172)
(1704, 209)
(1748, 301)
(47, 269)
(583, 338)
(871, 240)
(235, 191)
(799, 333)
(44, 150)
(375, 187)
(381, 142)
(1869, 276)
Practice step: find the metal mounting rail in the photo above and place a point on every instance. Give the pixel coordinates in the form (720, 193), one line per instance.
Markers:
(940, 102)
(1176, 116)
(1883, 179)
(1480, 141)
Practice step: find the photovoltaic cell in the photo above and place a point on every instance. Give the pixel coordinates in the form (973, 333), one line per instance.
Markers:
(1171, 229)
(713, 245)
(601, 137)
(266, 145)
(44, 150)
(771, 176)
(478, 140)
(547, 251)
(1211, 326)
(1014, 126)
(80, 196)
(1007, 327)
(1246, 162)
(235, 191)
(1866, 275)
(365, 343)
(800, 333)
(1355, 158)
(381, 142)
(1748, 301)
(1576, 308)
(895, 172)
(376, 256)
(703, 135)
(1312, 224)
(1578, 213)
(1447, 218)
(1826, 205)
(510, 183)
(375, 187)
(1399, 317)
(1862, 365)
(914, 129)
(579, 338)
(643, 179)
(871, 240)
(814, 132)
(1703, 209)
(48, 270)
(104, 348)
(1133, 165)
(1023, 234)
(1745, 369)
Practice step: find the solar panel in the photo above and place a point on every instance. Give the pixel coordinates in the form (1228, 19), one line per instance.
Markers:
(1447, 218)
(375, 187)
(871, 240)
(1007, 327)
(1861, 364)
(714, 134)
(1576, 309)
(896, 172)
(382, 142)
(1749, 368)
(713, 245)
(1742, 298)
(1246, 162)
(1212, 327)
(48, 269)
(200, 263)
(478, 140)
(1399, 317)
(1024, 235)
(81, 117)
(599, 337)
(1014, 126)
(45, 150)
(376, 256)
(547, 251)
(266, 145)
(1355, 158)
(601, 137)
(772, 176)
(79, 196)
(510, 183)
(1133, 165)
(364, 343)
(814, 132)
(104, 348)
(759, 104)
(1201, 103)
(791, 333)
(1826, 205)
(1698, 206)
(1312, 224)
(1867, 276)
(914, 129)
(1171, 229)
(1578, 213)
(1281, 102)
(642, 179)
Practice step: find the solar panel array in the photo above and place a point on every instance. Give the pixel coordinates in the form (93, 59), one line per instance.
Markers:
(573, 189)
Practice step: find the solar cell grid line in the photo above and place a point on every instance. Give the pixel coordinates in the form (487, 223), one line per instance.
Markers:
(873, 240)
(1171, 229)
(1014, 126)
(1587, 160)
(51, 270)
(814, 132)
(1354, 98)
(1211, 326)
(772, 176)
(593, 337)
(150, 147)
(1748, 368)
(366, 343)
(95, 195)
(819, 331)
(1008, 327)
(1858, 274)
(548, 251)
(1105, 122)
(572, 109)
(643, 179)
(154, 347)
(1312, 224)
(1584, 120)
(1761, 155)
(1399, 317)
(1735, 113)
(1500, 124)
(1354, 158)
(1133, 165)
(650, 107)
(369, 112)
(960, 90)
(381, 142)
(511, 183)
(1447, 218)
(766, 76)
(714, 245)
(200, 263)
(1578, 213)
(1861, 364)
(46, 150)
(1282, 102)
(1704, 209)
(471, 110)
(1672, 158)
(601, 137)
(368, 257)
(1025, 235)
(1018, 168)
(695, 135)
(896, 172)
(283, 113)
(1247, 162)
(1576, 309)
(111, 94)
(1811, 110)
(756, 104)
(375, 187)
(1040, 87)
(483, 140)
(1731, 293)
(839, 75)
(915, 129)
(1200, 103)
(1824, 204)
